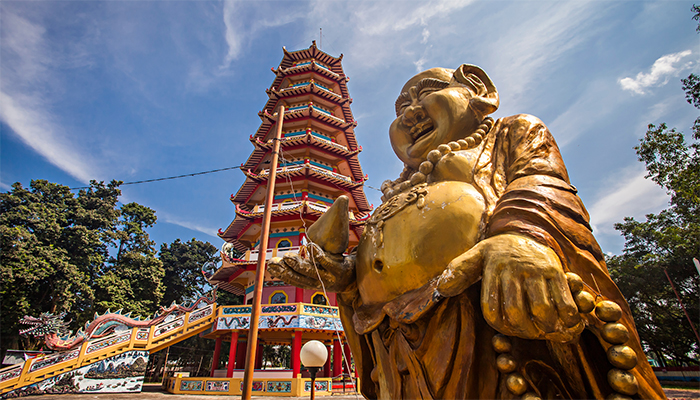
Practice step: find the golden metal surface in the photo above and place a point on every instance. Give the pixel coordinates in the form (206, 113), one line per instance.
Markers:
(623, 382)
(585, 302)
(481, 238)
(615, 333)
(516, 384)
(608, 311)
(505, 363)
(622, 357)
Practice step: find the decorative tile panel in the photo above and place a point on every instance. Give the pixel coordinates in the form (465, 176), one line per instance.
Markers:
(321, 386)
(279, 386)
(217, 386)
(191, 386)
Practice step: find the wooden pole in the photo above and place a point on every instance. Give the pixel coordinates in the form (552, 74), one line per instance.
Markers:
(262, 255)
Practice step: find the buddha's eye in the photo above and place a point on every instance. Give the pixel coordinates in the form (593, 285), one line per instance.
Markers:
(423, 93)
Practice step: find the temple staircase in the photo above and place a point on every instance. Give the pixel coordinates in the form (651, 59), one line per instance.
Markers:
(171, 326)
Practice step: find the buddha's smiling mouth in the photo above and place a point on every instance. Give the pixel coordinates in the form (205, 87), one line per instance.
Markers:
(422, 128)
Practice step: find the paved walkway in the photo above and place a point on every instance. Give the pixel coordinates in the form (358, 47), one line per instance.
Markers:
(152, 392)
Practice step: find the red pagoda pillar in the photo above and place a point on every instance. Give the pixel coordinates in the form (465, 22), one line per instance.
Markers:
(232, 354)
(296, 350)
(346, 354)
(337, 358)
(327, 365)
(217, 354)
(240, 354)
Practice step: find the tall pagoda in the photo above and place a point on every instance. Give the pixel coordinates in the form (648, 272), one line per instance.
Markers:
(318, 162)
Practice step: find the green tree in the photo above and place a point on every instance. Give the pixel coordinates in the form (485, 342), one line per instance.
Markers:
(53, 246)
(182, 262)
(132, 279)
(666, 242)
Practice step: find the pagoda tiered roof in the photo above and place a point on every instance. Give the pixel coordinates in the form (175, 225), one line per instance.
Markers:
(288, 95)
(287, 66)
(307, 139)
(319, 145)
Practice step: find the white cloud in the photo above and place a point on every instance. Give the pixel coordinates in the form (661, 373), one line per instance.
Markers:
(170, 219)
(663, 68)
(233, 35)
(522, 52)
(629, 196)
(35, 127)
(23, 106)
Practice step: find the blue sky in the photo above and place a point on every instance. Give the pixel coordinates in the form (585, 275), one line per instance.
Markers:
(136, 90)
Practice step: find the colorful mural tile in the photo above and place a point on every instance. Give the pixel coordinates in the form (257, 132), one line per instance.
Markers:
(109, 342)
(280, 321)
(191, 386)
(279, 309)
(142, 334)
(233, 323)
(217, 386)
(165, 328)
(122, 373)
(279, 386)
(197, 315)
(316, 322)
(53, 359)
(321, 386)
(7, 375)
(258, 386)
(237, 310)
(320, 310)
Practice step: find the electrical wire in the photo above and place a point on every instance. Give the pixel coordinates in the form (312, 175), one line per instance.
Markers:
(167, 178)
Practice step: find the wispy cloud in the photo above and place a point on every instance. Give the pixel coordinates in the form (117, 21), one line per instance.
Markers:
(232, 34)
(665, 67)
(170, 219)
(630, 196)
(23, 104)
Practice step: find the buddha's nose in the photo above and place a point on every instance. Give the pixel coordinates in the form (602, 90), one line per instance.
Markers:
(412, 114)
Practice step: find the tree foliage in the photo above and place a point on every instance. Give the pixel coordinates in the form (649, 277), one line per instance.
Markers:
(85, 253)
(183, 263)
(666, 243)
(54, 246)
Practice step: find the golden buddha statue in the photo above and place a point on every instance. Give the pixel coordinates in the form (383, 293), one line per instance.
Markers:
(478, 276)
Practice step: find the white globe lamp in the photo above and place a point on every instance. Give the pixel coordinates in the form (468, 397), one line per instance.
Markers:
(313, 355)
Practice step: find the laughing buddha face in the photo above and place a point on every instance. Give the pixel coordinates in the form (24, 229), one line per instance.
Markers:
(439, 106)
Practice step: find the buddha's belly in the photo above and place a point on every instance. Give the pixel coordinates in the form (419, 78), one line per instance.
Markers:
(416, 243)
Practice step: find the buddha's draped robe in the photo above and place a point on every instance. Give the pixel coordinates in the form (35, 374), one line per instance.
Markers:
(421, 346)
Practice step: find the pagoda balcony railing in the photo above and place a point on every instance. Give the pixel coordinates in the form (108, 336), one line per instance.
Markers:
(299, 134)
(253, 255)
(314, 205)
(320, 170)
(304, 64)
(303, 84)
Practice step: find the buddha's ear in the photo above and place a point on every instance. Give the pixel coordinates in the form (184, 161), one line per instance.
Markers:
(475, 79)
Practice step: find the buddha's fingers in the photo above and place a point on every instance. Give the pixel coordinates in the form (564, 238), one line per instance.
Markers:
(564, 301)
(277, 268)
(542, 308)
(461, 272)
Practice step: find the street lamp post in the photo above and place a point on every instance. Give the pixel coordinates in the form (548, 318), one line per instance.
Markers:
(313, 355)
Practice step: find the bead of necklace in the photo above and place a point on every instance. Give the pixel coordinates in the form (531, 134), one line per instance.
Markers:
(413, 178)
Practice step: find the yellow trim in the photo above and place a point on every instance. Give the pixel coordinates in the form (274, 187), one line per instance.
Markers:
(328, 301)
(286, 297)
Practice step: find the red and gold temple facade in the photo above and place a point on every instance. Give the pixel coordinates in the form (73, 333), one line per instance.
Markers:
(318, 163)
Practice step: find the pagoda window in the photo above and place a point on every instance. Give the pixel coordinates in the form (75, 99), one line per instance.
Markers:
(283, 244)
(278, 297)
(319, 299)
